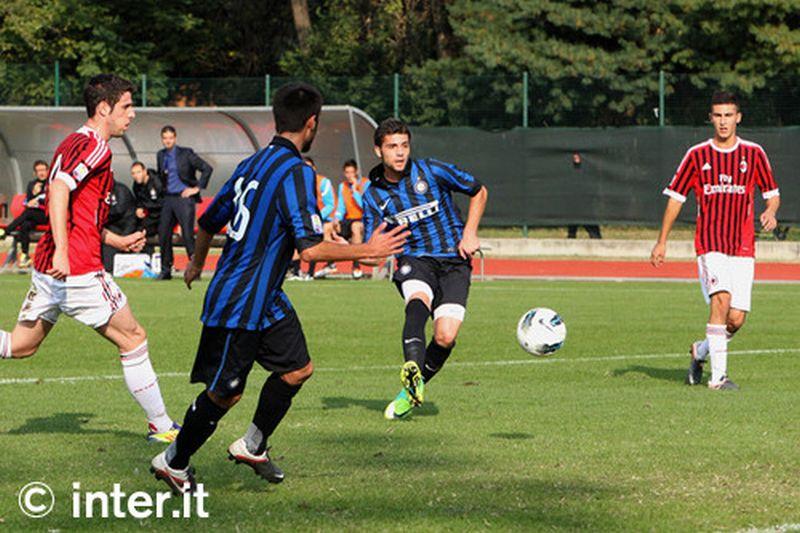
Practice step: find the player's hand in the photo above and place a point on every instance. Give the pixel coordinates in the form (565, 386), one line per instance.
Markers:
(335, 237)
(469, 245)
(191, 274)
(133, 242)
(768, 221)
(190, 191)
(386, 243)
(658, 254)
(60, 268)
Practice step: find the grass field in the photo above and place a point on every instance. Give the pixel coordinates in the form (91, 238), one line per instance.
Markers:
(602, 436)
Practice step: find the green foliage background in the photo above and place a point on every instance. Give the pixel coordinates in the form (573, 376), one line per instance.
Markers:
(461, 62)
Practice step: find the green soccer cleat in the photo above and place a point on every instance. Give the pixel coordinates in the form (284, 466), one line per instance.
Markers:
(398, 408)
(411, 378)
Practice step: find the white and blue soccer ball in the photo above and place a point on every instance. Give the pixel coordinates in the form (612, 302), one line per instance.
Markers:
(541, 331)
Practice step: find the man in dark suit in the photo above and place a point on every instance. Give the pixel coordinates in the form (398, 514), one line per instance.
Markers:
(177, 168)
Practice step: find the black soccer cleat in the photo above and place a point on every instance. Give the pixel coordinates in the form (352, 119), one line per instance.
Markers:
(695, 375)
(262, 465)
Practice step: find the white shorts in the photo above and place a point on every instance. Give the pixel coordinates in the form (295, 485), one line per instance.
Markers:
(90, 298)
(727, 273)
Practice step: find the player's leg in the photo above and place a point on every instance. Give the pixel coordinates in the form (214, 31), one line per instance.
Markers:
(284, 351)
(186, 215)
(24, 340)
(448, 315)
(124, 331)
(714, 274)
(224, 360)
(417, 282)
(357, 230)
(36, 318)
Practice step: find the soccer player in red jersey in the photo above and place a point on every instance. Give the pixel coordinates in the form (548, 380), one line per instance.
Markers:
(723, 173)
(68, 274)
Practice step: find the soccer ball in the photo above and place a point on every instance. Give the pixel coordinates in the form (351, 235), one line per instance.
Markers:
(541, 331)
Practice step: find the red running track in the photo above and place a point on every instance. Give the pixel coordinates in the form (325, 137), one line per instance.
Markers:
(580, 269)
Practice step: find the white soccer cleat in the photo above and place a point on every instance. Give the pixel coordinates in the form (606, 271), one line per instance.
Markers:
(179, 481)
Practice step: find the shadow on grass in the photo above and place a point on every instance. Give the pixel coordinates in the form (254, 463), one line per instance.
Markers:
(675, 375)
(67, 423)
(511, 436)
(341, 402)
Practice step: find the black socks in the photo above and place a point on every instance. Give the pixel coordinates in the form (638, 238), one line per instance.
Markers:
(198, 425)
(417, 315)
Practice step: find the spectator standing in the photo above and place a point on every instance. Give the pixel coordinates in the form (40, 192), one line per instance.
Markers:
(178, 168)
(592, 229)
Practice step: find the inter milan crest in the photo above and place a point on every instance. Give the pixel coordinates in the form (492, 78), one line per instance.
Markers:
(743, 166)
(421, 186)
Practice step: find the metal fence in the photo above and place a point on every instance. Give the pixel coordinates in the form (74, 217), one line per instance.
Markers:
(492, 102)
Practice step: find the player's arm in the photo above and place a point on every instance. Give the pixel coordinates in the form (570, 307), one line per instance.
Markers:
(328, 199)
(202, 243)
(125, 243)
(769, 191)
(381, 244)
(469, 241)
(769, 220)
(684, 180)
(59, 217)
(671, 213)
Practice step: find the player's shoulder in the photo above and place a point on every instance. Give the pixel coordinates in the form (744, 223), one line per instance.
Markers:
(753, 145)
(698, 147)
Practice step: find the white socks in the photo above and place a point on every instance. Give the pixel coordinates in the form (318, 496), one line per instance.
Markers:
(717, 338)
(5, 345)
(143, 385)
(702, 348)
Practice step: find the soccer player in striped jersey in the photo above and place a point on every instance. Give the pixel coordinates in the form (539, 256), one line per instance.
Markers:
(434, 269)
(68, 274)
(269, 206)
(723, 173)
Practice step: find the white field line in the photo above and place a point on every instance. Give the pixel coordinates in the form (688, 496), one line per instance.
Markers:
(512, 362)
(774, 529)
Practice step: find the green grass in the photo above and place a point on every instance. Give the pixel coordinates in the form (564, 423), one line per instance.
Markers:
(579, 441)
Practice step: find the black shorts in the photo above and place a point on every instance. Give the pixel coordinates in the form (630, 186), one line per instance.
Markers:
(226, 356)
(346, 227)
(448, 278)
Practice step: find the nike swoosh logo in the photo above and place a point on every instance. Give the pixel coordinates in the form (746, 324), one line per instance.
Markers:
(384, 204)
(413, 339)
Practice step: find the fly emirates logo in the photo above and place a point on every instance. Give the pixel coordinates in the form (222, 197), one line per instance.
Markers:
(725, 186)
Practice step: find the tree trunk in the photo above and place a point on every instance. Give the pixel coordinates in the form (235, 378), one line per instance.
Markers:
(302, 21)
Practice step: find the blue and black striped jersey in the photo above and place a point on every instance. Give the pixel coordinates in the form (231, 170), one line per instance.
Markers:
(270, 208)
(423, 200)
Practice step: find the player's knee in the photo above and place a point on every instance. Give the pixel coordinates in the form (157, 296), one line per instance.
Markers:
(445, 337)
(735, 322)
(226, 402)
(299, 376)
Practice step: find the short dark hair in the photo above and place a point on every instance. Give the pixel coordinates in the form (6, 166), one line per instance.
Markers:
(107, 88)
(139, 164)
(40, 162)
(391, 126)
(293, 104)
(168, 128)
(350, 163)
(724, 97)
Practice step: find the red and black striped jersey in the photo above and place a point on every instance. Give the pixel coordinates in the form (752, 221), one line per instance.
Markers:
(724, 181)
(83, 162)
